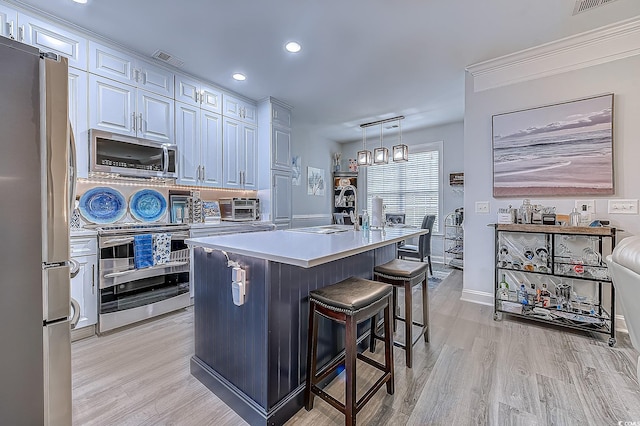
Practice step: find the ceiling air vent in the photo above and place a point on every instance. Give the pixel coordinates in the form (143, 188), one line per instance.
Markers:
(584, 5)
(168, 58)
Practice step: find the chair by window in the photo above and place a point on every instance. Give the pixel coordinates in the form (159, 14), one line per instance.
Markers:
(394, 218)
(423, 249)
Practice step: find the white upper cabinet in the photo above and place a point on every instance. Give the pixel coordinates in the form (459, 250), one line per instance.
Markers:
(155, 117)
(128, 69)
(112, 106)
(79, 119)
(50, 38)
(188, 141)
(240, 165)
(120, 108)
(196, 93)
(199, 140)
(239, 109)
(211, 148)
(8, 22)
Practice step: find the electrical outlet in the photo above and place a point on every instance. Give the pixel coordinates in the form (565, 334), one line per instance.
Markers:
(591, 206)
(623, 206)
(482, 207)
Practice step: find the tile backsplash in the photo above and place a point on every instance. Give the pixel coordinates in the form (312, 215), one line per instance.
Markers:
(128, 188)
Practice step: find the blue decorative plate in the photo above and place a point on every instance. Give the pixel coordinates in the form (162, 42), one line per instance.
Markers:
(147, 205)
(102, 205)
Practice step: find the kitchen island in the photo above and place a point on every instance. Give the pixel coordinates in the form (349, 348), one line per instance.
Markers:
(253, 356)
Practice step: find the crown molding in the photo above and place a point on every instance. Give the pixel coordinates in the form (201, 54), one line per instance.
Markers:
(605, 44)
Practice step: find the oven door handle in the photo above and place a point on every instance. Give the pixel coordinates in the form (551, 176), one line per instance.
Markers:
(131, 271)
(116, 241)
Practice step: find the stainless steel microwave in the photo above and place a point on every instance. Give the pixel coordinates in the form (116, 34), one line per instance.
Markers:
(129, 156)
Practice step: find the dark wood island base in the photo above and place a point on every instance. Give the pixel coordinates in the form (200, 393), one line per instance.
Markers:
(253, 356)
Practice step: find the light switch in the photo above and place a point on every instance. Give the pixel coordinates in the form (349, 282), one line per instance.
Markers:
(623, 206)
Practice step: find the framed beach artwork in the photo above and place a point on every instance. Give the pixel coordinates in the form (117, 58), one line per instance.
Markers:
(564, 149)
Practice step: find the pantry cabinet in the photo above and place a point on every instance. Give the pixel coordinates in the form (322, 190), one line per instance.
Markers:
(240, 155)
(128, 69)
(199, 140)
(124, 109)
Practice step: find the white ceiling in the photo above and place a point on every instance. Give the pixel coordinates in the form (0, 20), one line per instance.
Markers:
(361, 60)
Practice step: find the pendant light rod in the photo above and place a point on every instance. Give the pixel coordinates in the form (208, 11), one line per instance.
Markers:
(386, 120)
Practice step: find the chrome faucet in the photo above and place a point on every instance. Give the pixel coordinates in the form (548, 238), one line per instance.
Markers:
(354, 217)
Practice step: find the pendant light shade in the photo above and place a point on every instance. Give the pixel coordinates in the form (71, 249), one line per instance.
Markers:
(381, 155)
(400, 151)
(364, 156)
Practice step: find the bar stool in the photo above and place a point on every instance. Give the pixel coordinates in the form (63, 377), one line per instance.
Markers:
(349, 302)
(406, 274)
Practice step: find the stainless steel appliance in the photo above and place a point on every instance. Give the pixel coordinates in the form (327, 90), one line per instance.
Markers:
(36, 187)
(239, 209)
(128, 294)
(128, 156)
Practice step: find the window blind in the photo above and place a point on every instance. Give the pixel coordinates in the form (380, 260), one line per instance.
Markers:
(412, 188)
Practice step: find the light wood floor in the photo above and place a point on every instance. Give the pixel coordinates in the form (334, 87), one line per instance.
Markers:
(474, 371)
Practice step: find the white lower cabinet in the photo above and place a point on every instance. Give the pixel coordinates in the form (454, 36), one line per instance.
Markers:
(84, 282)
(240, 162)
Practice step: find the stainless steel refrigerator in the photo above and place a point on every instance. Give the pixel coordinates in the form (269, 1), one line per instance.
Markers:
(36, 192)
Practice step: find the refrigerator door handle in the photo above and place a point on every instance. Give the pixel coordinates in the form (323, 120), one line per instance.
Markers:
(74, 267)
(75, 318)
(73, 171)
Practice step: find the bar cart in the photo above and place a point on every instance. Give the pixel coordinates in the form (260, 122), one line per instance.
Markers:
(555, 274)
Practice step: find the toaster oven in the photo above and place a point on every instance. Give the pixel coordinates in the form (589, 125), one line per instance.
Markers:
(239, 209)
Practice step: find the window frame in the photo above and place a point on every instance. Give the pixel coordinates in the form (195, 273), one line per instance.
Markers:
(429, 146)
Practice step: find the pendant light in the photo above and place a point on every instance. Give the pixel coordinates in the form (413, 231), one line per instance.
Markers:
(381, 155)
(400, 151)
(364, 156)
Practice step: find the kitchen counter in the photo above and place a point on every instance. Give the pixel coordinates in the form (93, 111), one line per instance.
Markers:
(253, 356)
(306, 247)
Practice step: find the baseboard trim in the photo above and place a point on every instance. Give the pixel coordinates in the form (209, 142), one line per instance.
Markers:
(479, 297)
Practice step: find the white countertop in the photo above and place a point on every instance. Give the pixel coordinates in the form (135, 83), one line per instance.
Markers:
(306, 249)
(82, 232)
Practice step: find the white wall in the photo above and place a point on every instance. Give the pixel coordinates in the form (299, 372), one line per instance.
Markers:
(314, 151)
(452, 136)
(619, 77)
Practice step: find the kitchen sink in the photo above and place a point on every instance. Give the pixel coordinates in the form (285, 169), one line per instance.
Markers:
(326, 229)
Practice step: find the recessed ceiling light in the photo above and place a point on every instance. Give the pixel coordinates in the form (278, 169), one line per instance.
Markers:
(81, 1)
(293, 47)
(239, 76)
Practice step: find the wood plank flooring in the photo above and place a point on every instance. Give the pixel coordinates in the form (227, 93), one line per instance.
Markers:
(473, 371)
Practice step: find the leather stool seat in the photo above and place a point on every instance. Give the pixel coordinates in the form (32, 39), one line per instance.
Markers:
(399, 268)
(349, 302)
(406, 274)
(351, 295)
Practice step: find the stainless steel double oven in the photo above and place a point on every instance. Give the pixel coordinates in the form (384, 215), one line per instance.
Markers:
(127, 294)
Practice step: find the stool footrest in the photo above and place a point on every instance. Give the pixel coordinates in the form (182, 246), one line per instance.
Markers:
(371, 362)
(372, 390)
(329, 368)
